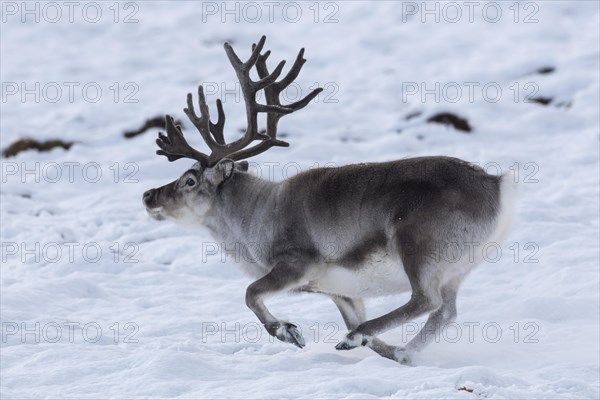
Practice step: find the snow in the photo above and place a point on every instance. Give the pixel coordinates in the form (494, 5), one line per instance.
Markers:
(172, 314)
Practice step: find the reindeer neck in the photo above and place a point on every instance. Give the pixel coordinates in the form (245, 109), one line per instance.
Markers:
(242, 209)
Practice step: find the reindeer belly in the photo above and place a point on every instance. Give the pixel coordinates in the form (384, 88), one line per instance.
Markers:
(379, 275)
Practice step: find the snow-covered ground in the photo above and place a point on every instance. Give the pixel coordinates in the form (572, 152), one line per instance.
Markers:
(100, 301)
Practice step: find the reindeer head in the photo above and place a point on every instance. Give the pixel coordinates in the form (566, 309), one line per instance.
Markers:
(189, 198)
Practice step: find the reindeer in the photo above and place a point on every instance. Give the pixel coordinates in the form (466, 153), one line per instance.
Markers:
(388, 222)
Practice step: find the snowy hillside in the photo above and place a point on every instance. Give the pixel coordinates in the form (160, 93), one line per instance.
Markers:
(100, 301)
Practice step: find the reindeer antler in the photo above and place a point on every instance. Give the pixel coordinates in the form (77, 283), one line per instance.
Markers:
(174, 145)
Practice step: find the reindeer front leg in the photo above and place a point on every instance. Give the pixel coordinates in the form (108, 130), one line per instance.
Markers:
(283, 276)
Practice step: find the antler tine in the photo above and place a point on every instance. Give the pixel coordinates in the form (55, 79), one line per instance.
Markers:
(293, 72)
(271, 96)
(300, 104)
(240, 66)
(174, 146)
(242, 70)
(217, 129)
(269, 79)
(272, 93)
(202, 122)
(255, 53)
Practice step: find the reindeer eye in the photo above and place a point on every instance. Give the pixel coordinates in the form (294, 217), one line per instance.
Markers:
(190, 182)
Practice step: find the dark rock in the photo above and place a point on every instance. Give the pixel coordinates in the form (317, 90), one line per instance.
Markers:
(546, 70)
(32, 144)
(455, 121)
(540, 100)
(156, 122)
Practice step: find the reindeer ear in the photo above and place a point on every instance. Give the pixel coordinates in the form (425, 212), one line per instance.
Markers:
(242, 166)
(220, 172)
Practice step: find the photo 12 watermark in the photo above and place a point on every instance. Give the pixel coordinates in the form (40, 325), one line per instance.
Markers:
(69, 252)
(69, 332)
(253, 12)
(471, 92)
(69, 92)
(68, 172)
(332, 252)
(526, 332)
(53, 12)
(232, 92)
(525, 172)
(453, 12)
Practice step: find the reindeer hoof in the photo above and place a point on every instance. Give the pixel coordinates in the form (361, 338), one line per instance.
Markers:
(351, 341)
(402, 356)
(343, 345)
(289, 333)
